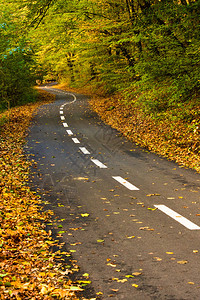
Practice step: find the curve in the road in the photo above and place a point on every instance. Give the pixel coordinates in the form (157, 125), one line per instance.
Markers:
(179, 218)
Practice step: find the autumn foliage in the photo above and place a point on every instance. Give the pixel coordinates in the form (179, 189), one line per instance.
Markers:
(168, 134)
(27, 266)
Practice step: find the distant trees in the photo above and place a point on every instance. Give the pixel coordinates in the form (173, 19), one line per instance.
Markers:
(16, 61)
(150, 49)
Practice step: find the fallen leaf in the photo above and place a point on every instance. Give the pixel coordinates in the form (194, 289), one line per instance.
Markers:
(137, 273)
(85, 215)
(111, 265)
(158, 258)
(182, 262)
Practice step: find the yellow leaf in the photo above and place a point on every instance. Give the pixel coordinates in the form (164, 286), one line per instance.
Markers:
(137, 273)
(112, 265)
(85, 215)
(182, 262)
(44, 289)
(158, 258)
(122, 280)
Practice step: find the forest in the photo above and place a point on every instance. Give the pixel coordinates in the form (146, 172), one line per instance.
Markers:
(145, 50)
(139, 60)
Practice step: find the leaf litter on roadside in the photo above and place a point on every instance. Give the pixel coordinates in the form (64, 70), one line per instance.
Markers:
(28, 269)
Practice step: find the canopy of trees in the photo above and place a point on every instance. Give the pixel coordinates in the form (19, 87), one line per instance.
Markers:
(146, 49)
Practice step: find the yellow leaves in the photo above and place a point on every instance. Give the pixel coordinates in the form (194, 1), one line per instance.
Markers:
(44, 289)
(146, 228)
(85, 215)
(151, 133)
(27, 262)
(182, 262)
(135, 285)
(157, 258)
(111, 265)
(195, 251)
(119, 280)
(122, 280)
(137, 273)
(131, 237)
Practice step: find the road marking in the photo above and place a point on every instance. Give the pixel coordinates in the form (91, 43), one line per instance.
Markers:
(174, 215)
(124, 182)
(84, 150)
(65, 125)
(62, 92)
(75, 140)
(69, 132)
(98, 163)
(62, 118)
(61, 112)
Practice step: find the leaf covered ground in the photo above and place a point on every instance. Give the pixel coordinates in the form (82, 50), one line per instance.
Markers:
(169, 134)
(28, 269)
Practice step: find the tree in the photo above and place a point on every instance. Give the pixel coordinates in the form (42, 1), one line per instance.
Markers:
(149, 47)
(16, 60)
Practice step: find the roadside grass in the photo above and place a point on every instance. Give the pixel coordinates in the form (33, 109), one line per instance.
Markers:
(28, 267)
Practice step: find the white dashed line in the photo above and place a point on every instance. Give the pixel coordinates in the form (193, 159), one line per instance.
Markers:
(61, 112)
(174, 215)
(75, 140)
(124, 182)
(62, 118)
(84, 150)
(65, 93)
(98, 163)
(69, 132)
(65, 125)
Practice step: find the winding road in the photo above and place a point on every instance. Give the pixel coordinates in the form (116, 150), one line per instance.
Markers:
(130, 218)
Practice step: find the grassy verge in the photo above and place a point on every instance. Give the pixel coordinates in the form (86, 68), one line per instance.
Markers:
(28, 269)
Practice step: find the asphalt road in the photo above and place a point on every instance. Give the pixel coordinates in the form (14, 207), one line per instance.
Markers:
(130, 218)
